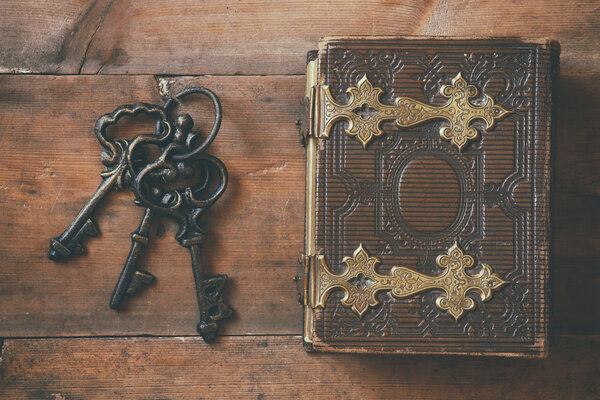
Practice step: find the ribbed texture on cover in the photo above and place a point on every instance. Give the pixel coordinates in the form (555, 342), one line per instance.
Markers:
(411, 194)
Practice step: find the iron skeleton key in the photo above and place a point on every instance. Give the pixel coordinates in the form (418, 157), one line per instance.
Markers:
(116, 156)
(181, 159)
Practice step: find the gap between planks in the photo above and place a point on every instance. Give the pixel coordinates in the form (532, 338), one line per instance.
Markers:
(172, 75)
(148, 336)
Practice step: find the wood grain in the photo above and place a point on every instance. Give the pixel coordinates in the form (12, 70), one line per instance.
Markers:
(49, 166)
(265, 367)
(262, 37)
(49, 37)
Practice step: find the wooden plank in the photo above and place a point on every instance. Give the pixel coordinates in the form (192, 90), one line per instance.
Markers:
(576, 207)
(577, 139)
(49, 37)
(49, 165)
(277, 367)
(259, 36)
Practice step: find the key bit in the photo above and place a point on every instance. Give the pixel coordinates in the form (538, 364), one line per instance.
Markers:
(138, 280)
(70, 242)
(210, 301)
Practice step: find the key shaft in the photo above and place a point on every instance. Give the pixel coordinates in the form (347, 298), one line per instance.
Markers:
(70, 242)
(132, 278)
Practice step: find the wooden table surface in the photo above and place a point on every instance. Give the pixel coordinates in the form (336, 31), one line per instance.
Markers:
(63, 64)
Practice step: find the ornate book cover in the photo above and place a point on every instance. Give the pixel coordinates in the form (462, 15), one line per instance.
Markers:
(428, 195)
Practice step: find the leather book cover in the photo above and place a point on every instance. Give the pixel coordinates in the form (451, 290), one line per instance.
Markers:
(428, 195)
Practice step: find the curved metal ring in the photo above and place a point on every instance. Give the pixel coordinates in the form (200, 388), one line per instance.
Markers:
(223, 178)
(216, 125)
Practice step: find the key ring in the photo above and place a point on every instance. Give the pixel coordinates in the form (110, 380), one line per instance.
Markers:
(216, 124)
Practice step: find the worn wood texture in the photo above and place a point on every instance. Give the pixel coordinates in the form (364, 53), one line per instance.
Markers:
(263, 367)
(49, 166)
(261, 37)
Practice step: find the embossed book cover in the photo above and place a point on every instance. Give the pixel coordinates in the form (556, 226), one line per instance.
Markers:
(428, 195)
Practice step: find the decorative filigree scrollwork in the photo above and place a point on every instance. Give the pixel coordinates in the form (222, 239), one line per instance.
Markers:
(361, 283)
(365, 112)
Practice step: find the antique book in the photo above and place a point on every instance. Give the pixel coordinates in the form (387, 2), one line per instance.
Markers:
(428, 179)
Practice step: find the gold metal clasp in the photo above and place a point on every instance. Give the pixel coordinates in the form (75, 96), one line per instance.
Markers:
(310, 103)
(361, 283)
(365, 112)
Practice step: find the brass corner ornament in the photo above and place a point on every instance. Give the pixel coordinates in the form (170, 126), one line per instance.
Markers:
(361, 283)
(365, 112)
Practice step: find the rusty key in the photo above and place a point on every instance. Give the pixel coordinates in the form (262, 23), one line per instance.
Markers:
(155, 186)
(117, 155)
(187, 206)
(132, 278)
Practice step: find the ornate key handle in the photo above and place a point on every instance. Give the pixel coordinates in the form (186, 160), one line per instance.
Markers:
(115, 149)
(168, 169)
(185, 205)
